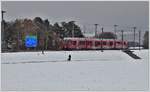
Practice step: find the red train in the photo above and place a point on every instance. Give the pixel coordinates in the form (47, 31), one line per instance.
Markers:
(93, 43)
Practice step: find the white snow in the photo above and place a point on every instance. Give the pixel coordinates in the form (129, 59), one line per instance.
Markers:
(88, 70)
(63, 55)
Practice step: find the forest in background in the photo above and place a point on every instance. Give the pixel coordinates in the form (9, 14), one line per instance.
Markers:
(49, 36)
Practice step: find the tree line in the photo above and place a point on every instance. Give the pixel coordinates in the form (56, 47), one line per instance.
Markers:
(49, 36)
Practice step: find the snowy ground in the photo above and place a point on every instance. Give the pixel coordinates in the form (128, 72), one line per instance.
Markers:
(88, 70)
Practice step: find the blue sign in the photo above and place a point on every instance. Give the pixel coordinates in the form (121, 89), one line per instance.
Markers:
(31, 41)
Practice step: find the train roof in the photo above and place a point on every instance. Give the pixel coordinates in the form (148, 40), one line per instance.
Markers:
(75, 38)
(87, 38)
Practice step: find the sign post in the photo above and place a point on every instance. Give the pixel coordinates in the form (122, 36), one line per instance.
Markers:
(30, 41)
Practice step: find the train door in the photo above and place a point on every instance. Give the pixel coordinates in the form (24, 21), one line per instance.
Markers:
(74, 44)
(82, 44)
(118, 44)
(97, 44)
(111, 44)
(104, 44)
(88, 44)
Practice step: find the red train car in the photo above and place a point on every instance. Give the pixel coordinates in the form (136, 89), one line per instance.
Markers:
(93, 43)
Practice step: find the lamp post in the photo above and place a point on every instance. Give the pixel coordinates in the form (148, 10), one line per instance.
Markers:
(3, 14)
(96, 30)
(134, 36)
(122, 39)
(139, 39)
(102, 40)
(115, 29)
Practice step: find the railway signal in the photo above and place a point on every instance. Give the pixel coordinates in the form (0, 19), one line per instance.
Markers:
(134, 36)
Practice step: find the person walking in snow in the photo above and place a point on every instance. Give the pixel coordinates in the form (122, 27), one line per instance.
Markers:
(69, 58)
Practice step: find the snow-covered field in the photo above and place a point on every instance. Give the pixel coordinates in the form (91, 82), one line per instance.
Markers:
(88, 70)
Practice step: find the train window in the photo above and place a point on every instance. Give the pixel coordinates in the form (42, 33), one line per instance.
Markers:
(97, 43)
(118, 43)
(104, 43)
(111, 43)
(82, 42)
(88, 42)
(74, 42)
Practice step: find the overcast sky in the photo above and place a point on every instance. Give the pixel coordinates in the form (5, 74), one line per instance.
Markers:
(106, 14)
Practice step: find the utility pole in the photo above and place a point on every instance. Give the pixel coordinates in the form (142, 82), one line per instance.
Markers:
(115, 29)
(102, 40)
(122, 38)
(43, 36)
(96, 29)
(3, 31)
(139, 39)
(3, 14)
(134, 36)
